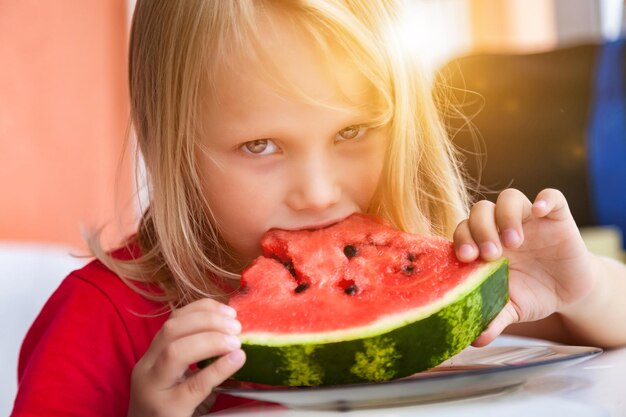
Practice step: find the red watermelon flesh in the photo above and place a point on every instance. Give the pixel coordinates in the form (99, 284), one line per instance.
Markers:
(348, 275)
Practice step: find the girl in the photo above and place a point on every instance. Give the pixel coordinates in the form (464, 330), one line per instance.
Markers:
(255, 114)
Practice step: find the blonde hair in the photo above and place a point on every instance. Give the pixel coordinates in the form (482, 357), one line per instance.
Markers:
(177, 44)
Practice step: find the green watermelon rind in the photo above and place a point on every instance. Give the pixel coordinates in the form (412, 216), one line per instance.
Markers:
(392, 348)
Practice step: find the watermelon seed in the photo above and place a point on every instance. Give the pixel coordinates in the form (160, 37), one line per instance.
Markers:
(290, 268)
(302, 287)
(411, 256)
(351, 289)
(408, 269)
(350, 251)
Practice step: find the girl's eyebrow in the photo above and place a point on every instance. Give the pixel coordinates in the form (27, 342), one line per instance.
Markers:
(243, 129)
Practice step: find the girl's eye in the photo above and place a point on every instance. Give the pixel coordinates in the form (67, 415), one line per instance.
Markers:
(259, 147)
(351, 132)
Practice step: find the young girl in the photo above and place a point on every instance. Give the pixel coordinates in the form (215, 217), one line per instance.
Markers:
(256, 114)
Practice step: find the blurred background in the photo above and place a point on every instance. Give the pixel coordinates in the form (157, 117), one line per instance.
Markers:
(64, 110)
(530, 77)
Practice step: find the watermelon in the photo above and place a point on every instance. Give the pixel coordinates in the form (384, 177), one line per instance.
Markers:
(359, 301)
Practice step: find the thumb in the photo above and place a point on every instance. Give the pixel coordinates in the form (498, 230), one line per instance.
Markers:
(507, 316)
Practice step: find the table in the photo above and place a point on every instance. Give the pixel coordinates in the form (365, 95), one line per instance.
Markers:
(596, 387)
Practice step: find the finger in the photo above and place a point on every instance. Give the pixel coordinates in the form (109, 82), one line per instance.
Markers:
(205, 304)
(170, 330)
(465, 247)
(195, 322)
(200, 385)
(551, 203)
(483, 228)
(185, 325)
(507, 316)
(512, 209)
(176, 357)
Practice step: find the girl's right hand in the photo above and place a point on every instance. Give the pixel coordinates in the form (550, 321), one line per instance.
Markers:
(160, 384)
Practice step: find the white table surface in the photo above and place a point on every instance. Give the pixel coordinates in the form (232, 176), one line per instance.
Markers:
(29, 273)
(596, 387)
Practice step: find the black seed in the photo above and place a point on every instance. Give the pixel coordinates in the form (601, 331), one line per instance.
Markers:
(290, 268)
(408, 269)
(412, 257)
(350, 251)
(302, 287)
(351, 289)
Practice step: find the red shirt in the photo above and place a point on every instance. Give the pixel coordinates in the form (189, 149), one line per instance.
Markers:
(77, 357)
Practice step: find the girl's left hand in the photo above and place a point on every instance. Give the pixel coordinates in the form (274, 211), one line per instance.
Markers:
(549, 264)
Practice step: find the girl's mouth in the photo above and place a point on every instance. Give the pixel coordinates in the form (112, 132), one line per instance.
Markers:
(317, 225)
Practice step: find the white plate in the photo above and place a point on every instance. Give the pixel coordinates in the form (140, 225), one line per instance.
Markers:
(472, 372)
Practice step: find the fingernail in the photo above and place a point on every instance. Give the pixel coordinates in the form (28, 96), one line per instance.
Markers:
(232, 325)
(510, 237)
(489, 249)
(466, 251)
(228, 311)
(232, 341)
(541, 204)
(236, 356)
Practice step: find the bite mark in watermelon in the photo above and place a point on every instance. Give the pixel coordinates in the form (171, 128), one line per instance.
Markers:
(360, 301)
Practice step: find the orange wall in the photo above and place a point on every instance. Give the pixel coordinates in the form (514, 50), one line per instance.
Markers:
(63, 116)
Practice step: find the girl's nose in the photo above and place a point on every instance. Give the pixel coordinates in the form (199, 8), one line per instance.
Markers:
(313, 186)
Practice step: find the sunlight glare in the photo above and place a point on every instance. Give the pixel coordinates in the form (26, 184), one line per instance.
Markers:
(434, 31)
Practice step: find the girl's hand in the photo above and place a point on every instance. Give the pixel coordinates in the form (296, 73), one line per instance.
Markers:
(549, 264)
(160, 384)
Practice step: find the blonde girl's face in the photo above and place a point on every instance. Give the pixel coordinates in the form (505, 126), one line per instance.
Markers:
(276, 160)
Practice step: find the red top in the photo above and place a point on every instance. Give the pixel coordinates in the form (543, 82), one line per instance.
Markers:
(78, 355)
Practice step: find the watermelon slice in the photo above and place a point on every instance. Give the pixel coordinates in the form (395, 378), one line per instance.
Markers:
(360, 301)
